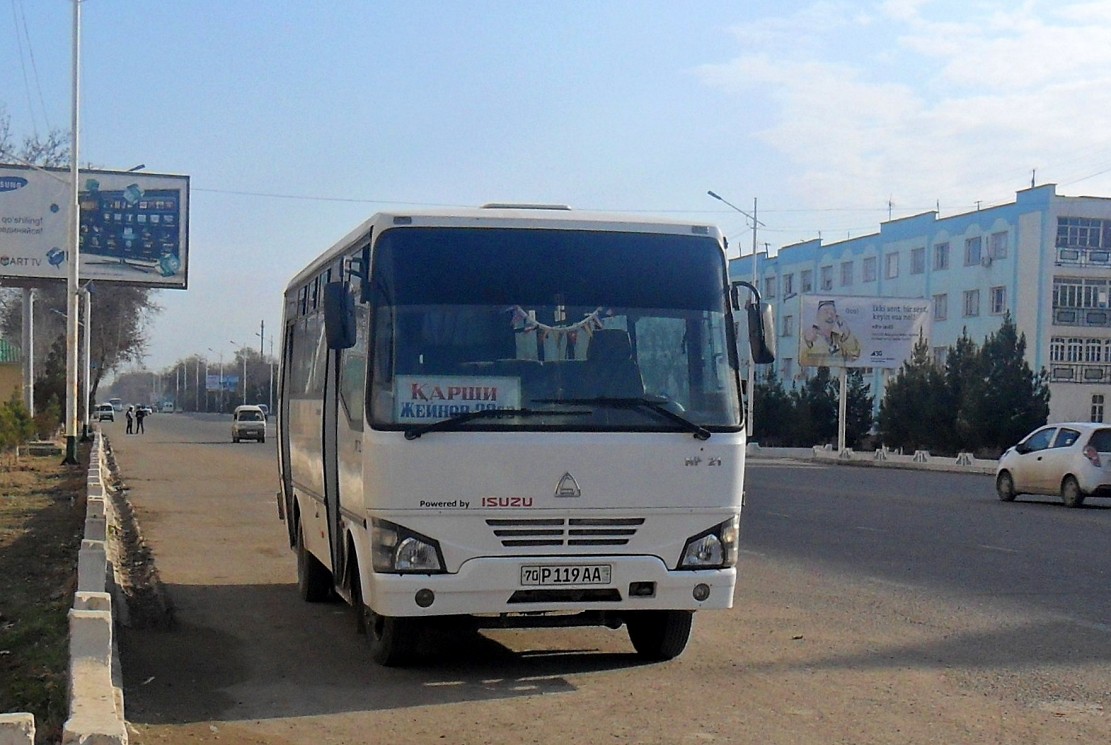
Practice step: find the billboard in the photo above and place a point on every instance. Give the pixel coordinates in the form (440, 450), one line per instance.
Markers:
(216, 382)
(847, 331)
(134, 227)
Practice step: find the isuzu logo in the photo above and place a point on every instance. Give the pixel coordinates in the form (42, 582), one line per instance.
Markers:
(568, 487)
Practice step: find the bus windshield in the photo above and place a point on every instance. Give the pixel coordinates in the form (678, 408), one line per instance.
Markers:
(568, 328)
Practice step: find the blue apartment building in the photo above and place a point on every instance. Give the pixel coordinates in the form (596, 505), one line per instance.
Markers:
(1045, 258)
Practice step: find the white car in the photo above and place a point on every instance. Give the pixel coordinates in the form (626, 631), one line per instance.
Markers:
(1070, 459)
(105, 411)
(248, 423)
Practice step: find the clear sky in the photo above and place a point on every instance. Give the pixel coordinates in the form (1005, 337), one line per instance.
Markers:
(297, 120)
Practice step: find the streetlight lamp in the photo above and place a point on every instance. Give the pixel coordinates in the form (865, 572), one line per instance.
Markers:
(750, 418)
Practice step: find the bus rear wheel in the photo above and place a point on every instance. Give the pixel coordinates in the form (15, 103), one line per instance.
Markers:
(659, 634)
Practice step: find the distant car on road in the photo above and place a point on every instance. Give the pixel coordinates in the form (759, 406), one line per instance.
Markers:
(105, 412)
(1070, 459)
(248, 423)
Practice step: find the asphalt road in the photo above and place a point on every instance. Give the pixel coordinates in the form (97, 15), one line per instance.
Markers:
(874, 606)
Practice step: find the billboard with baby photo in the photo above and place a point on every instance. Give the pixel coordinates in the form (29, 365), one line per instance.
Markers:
(850, 331)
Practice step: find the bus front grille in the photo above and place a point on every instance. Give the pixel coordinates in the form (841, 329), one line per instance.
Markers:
(575, 531)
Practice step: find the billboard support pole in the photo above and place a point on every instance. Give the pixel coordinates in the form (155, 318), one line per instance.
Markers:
(842, 409)
(29, 350)
(86, 383)
(75, 228)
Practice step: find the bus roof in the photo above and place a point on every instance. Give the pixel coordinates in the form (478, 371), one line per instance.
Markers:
(551, 217)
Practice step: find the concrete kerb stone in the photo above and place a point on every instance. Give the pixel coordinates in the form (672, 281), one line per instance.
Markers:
(96, 704)
(921, 460)
(17, 729)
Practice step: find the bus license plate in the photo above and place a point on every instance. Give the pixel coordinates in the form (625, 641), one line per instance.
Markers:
(565, 574)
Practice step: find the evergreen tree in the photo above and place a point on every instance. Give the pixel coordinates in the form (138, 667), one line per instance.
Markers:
(815, 405)
(774, 412)
(1009, 399)
(963, 382)
(911, 416)
(858, 409)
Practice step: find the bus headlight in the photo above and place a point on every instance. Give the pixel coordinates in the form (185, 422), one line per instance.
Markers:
(715, 548)
(398, 550)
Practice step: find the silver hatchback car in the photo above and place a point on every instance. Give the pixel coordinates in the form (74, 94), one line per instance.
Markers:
(1072, 459)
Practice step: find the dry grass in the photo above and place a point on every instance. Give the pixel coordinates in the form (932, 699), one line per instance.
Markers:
(42, 517)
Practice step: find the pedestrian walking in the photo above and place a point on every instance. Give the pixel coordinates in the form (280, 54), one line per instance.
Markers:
(140, 415)
(130, 420)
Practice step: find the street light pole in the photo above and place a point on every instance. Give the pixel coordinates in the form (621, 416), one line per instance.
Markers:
(750, 417)
(72, 276)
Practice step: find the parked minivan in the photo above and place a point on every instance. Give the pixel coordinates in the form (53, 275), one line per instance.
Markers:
(248, 423)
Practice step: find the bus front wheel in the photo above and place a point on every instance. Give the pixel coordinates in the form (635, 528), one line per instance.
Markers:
(659, 634)
(314, 581)
(392, 640)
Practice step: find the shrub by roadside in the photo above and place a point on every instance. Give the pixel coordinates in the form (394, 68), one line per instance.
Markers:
(42, 515)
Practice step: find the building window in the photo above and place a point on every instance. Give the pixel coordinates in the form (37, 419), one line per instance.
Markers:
(891, 266)
(998, 300)
(807, 279)
(941, 307)
(1074, 349)
(972, 248)
(972, 302)
(1083, 232)
(917, 260)
(1093, 350)
(788, 285)
(1057, 349)
(941, 354)
(769, 287)
(787, 369)
(997, 245)
(827, 278)
(941, 256)
(846, 273)
(1080, 293)
(1097, 407)
(869, 269)
(788, 325)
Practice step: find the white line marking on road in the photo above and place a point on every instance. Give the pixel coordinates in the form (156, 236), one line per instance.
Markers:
(870, 530)
(778, 514)
(1002, 549)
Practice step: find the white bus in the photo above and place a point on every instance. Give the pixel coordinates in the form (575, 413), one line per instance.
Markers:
(516, 417)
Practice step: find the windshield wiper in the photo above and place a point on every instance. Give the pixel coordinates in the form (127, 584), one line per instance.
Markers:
(452, 421)
(699, 432)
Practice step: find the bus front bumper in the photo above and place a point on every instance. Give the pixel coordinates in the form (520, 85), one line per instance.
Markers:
(550, 584)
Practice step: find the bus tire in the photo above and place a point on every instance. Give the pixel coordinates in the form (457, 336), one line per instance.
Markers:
(314, 581)
(392, 640)
(659, 634)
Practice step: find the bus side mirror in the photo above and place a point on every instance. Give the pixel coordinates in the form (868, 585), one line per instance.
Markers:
(761, 332)
(339, 316)
(761, 324)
